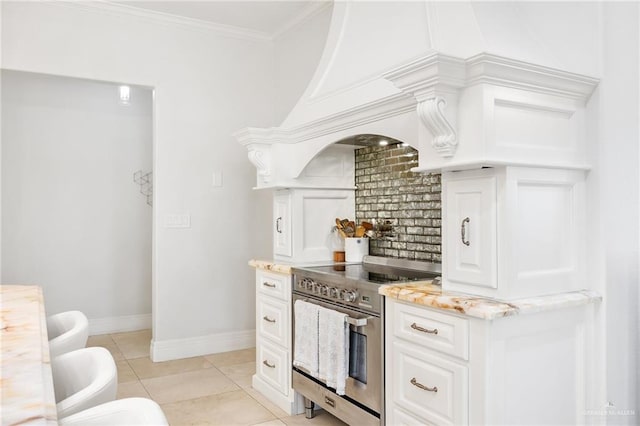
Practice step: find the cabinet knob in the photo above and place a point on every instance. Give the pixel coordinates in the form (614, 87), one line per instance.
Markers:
(463, 231)
(419, 385)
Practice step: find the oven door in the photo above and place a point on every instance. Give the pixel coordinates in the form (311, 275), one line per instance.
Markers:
(364, 384)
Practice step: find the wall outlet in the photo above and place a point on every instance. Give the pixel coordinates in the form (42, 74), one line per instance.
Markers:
(177, 221)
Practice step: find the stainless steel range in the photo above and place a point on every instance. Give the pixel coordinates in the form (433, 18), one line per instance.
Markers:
(352, 289)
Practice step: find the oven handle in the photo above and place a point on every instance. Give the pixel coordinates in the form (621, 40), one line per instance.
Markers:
(358, 322)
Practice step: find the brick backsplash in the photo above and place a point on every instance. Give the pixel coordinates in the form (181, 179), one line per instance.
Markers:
(388, 191)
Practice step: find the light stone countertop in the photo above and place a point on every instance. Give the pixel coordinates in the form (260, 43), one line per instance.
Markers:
(272, 266)
(427, 294)
(27, 382)
(284, 267)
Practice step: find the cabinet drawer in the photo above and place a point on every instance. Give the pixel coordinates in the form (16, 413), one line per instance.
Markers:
(273, 366)
(431, 387)
(396, 417)
(275, 285)
(445, 333)
(273, 320)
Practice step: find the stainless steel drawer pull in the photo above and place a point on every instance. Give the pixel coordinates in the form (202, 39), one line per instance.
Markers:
(330, 402)
(463, 231)
(266, 284)
(267, 319)
(265, 362)
(419, 385)
(424, 330)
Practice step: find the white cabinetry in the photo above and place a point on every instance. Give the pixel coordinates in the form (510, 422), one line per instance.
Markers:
(273, 340)
(282, 244)
(471, 216)
(444, 368)
(303, 219)
(513, 232)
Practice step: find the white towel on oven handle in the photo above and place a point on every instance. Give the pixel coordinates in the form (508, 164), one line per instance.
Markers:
(305, 353)
(333, 343)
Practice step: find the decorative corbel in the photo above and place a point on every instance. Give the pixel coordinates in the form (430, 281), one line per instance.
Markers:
(260, 157)
(431, 112)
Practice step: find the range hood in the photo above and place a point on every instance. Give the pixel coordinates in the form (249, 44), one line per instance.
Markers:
(420, 73)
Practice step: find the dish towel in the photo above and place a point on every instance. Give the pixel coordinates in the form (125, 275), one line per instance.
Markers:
(333, 341)
(305, 353)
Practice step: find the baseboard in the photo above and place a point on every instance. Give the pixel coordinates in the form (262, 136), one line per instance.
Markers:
(166, 350)
(119, 324)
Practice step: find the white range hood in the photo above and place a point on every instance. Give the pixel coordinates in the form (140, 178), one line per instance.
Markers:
(418, 72)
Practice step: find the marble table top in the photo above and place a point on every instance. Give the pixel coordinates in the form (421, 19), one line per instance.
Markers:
(427, 294)
(27, 383)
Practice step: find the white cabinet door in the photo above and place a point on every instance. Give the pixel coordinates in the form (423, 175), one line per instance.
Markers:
(282, 224)
(469, 216)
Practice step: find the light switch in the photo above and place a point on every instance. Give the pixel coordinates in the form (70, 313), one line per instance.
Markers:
(217, 179)
(177, 221)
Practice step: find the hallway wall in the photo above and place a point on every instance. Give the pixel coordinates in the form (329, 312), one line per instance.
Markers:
(74, 221)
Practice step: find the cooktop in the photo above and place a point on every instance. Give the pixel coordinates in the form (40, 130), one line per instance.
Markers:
(374, 270)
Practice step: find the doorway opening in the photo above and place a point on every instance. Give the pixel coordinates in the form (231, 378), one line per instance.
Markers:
(77, 196)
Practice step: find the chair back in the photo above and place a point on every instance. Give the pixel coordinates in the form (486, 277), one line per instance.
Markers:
(83, 379)
(68, 331)
(123, 412)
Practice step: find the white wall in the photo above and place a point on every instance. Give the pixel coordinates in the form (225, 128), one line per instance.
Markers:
(615, 185)
(0, 145)
(75, 222)
(207, 85)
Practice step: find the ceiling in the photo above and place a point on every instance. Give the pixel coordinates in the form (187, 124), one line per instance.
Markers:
(267, 17)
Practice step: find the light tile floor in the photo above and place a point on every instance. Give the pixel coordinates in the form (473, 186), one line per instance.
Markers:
(207, 390)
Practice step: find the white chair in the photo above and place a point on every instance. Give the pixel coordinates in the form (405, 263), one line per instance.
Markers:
(83, 379)
(128, 411)
(68, 331)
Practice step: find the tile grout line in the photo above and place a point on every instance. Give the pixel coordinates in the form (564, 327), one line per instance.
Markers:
(212, 365)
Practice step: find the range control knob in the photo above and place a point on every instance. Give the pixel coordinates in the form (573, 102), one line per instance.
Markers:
(334, 293)
(309, 284)
(350, 295)
(322, 289)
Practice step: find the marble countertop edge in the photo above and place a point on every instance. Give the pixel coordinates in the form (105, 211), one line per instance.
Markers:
(427, 294)
(268, 265)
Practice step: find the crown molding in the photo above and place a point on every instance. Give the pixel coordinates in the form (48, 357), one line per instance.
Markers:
(114, 9)
(307, 13)
(507, 72)
(367, 113)
(424, 76)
